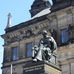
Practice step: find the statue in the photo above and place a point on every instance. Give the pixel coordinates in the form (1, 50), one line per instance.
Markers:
(45, 48)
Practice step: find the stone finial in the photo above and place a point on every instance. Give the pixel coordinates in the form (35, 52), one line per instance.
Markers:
(9, 24)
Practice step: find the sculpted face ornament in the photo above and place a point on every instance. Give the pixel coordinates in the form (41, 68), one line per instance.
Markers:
(44, 51)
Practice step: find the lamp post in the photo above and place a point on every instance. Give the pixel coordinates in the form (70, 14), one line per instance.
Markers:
(11, 68)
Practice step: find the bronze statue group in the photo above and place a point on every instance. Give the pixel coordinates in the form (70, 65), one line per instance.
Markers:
(45, 49)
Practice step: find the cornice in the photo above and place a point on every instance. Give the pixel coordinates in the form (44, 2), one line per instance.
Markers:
(26, 24)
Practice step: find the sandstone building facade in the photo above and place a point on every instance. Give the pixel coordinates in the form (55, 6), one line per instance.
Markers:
(19, 39)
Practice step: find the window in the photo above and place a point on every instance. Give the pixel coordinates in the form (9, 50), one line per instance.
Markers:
(15, 53)
(64, 36)
(29, 49)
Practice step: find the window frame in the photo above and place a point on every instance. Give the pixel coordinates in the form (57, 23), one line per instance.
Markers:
(13, 55)
(62, 32)
(27, 49)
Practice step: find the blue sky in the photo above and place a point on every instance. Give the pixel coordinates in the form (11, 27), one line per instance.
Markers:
(20, 13)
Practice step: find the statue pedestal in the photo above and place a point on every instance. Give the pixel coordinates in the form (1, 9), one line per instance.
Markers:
(40, 68)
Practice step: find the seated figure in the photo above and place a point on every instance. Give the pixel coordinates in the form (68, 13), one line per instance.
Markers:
(45, 48)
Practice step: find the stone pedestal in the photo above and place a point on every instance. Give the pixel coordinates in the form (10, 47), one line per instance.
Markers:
(41, 68)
